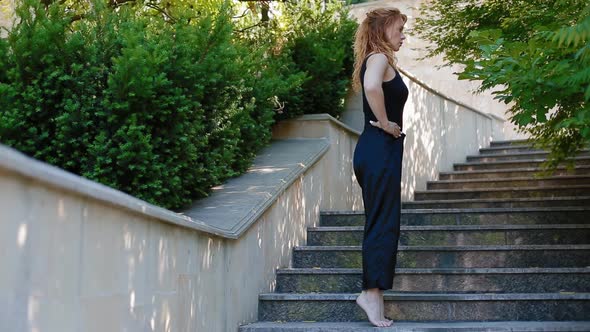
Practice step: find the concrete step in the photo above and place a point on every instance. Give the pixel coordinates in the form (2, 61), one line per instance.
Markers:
(509, 149)
(505, 192)
(564, 180)
(518, 256)
(427, 307)
(514, 148)
(467, 216)
(491, 203)
(454, 280)
(510, 173)
(524, 155)
(504, 143)
(449, 235)
(508, 164)
(435, 326)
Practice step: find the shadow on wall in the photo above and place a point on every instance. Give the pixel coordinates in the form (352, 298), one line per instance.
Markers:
(422, 146)
(253, 259)
(73, 264)
(439, 134)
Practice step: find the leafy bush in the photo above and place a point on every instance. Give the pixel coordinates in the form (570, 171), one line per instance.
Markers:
(312, 41)
(161, 103)
(322, 48)
(142, 105)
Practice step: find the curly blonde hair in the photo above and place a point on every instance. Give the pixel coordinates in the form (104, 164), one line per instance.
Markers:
(370, 37)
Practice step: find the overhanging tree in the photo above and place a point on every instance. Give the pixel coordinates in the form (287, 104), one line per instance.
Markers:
(534, 55)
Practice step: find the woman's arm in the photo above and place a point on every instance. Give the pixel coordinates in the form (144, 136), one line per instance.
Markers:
(376, 69)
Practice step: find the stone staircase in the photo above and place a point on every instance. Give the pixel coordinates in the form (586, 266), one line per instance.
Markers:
(487, 247)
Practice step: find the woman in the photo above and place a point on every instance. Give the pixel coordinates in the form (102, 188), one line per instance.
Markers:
(377, 159)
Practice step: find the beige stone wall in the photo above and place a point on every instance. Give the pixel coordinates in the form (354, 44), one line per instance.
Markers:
(72, 261)
(338, 166)
(440, 133)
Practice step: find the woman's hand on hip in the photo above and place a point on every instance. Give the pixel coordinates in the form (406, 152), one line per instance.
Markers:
(392, 128)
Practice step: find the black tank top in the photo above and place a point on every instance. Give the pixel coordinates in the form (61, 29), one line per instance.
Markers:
(395, 93)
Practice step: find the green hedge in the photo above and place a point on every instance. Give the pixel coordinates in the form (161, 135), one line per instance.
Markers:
(323, 49)
(160, 109)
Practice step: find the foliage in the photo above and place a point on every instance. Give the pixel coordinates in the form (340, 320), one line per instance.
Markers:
(322, 48)
(142, 105)
(313, 39)
(160, 100)
(534, 54)
(274, 75)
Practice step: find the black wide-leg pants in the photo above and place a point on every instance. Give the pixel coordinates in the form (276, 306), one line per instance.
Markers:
(377, 163)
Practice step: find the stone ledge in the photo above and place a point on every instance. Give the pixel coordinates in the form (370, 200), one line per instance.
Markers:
(238, 203)
(509, 147)
(289, 159)
(325, 117)
(497, 227)
(13, 161)
(512, 200)
(516, 178)
(468, 210)
(438, 326)
(580, 153)
(519, 189)
(438, 249)
(509, 170)
(448, 270)
(400, 296)
(517, 161)
(512, 141)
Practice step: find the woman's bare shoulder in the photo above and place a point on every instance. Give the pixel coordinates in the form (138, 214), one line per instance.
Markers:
(378, 61)
(376, 68)
(379, 56)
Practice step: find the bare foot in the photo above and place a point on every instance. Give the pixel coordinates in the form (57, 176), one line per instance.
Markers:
(388, 322)
(369, 301)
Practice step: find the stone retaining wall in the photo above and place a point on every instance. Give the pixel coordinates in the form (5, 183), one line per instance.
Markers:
(79, 256)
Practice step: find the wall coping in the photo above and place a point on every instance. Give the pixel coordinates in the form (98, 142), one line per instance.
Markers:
(326, 117)
(303, 152)
(16, 162)
(238, 203)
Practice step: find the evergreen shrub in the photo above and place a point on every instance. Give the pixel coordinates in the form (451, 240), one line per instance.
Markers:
(161, 109)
